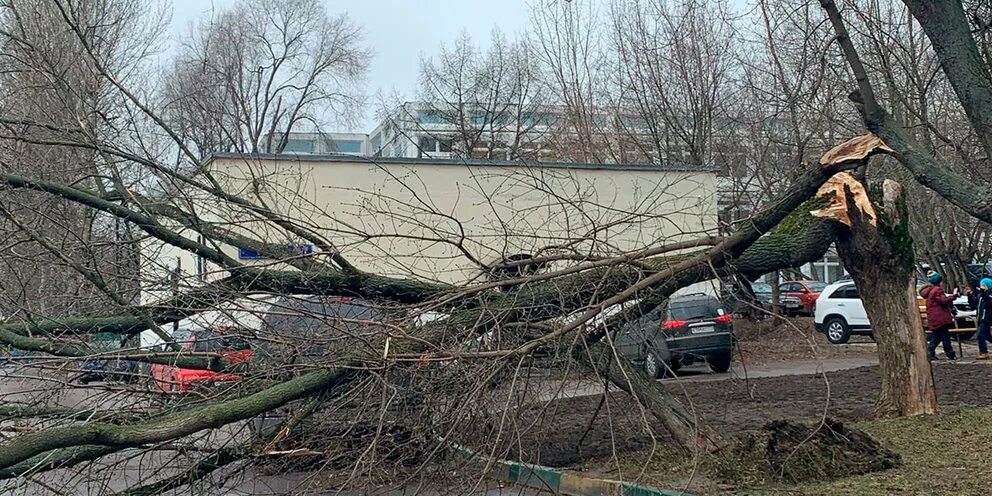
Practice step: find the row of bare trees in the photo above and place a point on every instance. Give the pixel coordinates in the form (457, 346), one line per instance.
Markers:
(755, 90)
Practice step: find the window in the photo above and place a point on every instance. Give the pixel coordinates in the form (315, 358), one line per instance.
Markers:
(426, 146)
(344, 146)
(444, 145)
(299, 146)
(201, 263)
(430, 117)
(529, 119)
(635, 123)
(477, 118)
(694, 308)
(849, 291)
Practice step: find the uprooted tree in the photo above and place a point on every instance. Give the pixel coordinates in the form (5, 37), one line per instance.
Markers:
(392, 390)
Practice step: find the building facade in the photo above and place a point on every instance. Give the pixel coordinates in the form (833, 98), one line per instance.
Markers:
(356, 144)
(431, 130)
(443, 220)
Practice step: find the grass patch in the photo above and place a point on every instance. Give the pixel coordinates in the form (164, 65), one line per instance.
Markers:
(941, 454)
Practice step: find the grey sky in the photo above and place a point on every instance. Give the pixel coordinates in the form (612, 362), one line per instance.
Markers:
(399, 31)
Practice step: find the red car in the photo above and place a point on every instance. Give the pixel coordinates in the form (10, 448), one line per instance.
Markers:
(806, 291)
(227, 342)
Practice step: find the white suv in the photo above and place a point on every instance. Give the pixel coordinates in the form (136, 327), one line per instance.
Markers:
(841, 314)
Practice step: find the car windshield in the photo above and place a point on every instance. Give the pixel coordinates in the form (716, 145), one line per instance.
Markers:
(761, 288)
(816, 286)
(692, 309)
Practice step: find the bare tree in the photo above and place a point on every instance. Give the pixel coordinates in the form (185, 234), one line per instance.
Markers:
(246, 79)
(487, 105)
(47, 81)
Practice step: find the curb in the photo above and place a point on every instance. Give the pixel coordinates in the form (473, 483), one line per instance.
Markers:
(564, 482)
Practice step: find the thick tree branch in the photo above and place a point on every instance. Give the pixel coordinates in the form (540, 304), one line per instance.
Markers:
(26, 446)
(946, 25)
(954, 187)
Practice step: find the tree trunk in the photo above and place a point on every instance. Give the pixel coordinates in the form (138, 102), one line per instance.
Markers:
(776, 297)
(684, 426)
(878, 252)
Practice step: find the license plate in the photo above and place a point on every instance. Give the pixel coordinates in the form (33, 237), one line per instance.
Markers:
(702, 329)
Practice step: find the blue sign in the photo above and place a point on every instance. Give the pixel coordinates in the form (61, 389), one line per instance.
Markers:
(296, 248)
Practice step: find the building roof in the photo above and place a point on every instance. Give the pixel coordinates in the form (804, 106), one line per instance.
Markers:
(312, 157)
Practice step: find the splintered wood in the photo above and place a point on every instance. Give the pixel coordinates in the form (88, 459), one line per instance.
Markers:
(857, 148)
(836, 189)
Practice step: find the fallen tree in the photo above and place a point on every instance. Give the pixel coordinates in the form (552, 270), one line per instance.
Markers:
(583, 290)
(394, 368)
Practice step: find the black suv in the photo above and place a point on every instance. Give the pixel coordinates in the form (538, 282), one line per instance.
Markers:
(684, 330)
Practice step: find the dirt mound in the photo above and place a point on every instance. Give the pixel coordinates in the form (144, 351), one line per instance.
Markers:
(799, 453)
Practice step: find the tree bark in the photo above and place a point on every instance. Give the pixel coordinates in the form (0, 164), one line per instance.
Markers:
(878, 252)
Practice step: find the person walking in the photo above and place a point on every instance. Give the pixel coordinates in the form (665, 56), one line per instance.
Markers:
(982, 303)
(939, 317)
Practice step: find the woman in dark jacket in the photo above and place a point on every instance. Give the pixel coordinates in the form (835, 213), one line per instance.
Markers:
(939, 317)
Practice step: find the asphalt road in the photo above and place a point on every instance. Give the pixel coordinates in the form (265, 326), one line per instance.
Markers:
(550, 389)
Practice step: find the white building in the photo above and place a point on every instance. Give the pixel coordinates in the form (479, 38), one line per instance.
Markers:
(327, 143)
(427, 130)
(441, 219)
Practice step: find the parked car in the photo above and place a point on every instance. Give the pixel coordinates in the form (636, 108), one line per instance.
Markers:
(684, 330)
(306, 329)
(106, 369)
(228, 342)
(806, 291)
(735, 301)
(840, 313)
(791, 305)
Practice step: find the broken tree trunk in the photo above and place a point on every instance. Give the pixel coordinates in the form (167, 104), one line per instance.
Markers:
(877, 250)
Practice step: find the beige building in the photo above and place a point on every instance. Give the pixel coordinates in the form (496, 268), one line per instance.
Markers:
(444, 219)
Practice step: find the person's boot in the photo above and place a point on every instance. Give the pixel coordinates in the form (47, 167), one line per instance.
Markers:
(952, 358)
(982, 356)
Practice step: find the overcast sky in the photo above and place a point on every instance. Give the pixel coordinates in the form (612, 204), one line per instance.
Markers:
(399, 31)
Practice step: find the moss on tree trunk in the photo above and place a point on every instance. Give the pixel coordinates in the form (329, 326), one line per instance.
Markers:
(880, 260)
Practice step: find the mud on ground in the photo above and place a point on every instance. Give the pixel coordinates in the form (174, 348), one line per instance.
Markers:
(550, 435)
(770, 340)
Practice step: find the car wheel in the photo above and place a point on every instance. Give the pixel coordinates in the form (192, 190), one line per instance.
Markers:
(720, 362)
(837, 331)
(652, 366)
